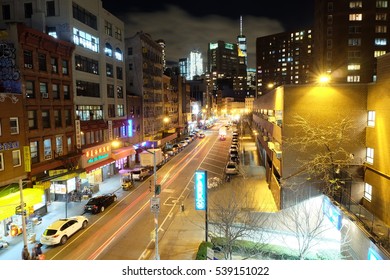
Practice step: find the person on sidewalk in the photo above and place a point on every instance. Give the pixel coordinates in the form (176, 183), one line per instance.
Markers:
(25, 253)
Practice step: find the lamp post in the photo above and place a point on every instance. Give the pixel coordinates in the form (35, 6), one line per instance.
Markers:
(155, 204)
(23, 211)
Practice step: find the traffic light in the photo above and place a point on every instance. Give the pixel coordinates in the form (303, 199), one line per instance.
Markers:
(157, 189)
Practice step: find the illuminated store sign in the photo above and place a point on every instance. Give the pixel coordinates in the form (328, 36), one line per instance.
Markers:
(97, 154)
(200, 190)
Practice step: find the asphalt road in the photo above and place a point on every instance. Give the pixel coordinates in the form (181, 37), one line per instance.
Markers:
(126, 230)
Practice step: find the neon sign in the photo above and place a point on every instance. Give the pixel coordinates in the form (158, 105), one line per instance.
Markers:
(200, 190)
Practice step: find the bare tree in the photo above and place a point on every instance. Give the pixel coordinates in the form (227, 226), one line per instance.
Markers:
(234, 215)
(303, 226)
(325, 151)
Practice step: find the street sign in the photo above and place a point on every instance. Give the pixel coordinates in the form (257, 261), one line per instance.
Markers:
(155, 205)
(19, 207)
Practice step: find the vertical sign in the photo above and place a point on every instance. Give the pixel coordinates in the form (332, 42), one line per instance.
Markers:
(27, 158)
(200, 190)
(110, 136)
(78, 134)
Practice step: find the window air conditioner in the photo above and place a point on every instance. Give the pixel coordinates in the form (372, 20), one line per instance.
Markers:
(45, 95)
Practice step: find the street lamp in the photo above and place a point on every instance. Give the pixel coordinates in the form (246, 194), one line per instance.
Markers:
(155, 203)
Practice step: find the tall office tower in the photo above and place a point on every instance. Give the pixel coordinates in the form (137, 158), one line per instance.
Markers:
(349, 36)
(241, 41)
(97, 81)
(145, 79)
(224, 63)
(195, 65)
(283, 58)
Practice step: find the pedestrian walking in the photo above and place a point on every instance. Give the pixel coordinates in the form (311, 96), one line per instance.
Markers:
(37, 252)
(25, 253)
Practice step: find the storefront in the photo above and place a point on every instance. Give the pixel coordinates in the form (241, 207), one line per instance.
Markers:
(10, 221)
(124, 157)
(62, 187)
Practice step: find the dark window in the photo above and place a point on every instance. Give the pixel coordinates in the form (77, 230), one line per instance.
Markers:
(66, 92)
(68, 117)
(46, 119)
(55, 88)
(57, 118)
(109, 70)
(84, 16)
(54, 64)
(65, 67)
(42, 62)
(28, 10)
(130, 51)
(84, 88)
(30, 89)
(110, 91)
(50, 9)
(111, 110)
(6, 12)
(32, 119)
(28, 59)
(119, 73)
(86, 64)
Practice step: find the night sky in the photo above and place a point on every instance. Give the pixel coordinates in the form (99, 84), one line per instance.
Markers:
(191, 25)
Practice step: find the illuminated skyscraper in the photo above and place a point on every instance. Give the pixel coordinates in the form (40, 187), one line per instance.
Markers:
(241, 41)
(195, 65)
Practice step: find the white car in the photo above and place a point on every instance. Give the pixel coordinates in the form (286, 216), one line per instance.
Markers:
(231, 168)
(184, 143)
(59, 231)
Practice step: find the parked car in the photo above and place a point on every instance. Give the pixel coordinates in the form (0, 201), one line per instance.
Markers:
(235, 159)
(233, 148)
(99, 203)
(231, 168)
(202, 135)
(184, 143)
(140, 174)
(188, 139)
(233, 153)
(178, 146)
(61, 230)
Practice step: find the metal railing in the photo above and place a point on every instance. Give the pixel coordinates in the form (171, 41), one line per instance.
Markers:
(379, 232)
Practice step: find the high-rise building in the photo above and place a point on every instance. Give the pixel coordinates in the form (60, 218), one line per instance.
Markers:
(283, 58)
(348, 37)
(242, 47)
(224, 63)
(195, 65)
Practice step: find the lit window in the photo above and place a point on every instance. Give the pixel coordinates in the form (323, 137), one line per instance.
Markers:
(353, 79)
(370, 155)
(355, 17)
(47, 149)
(118, 54)
(381, 4)
(353, 66)
(380, 41)
(379, 53)
(16, 158)
(1, 162)
(371, 118)
(367, 191)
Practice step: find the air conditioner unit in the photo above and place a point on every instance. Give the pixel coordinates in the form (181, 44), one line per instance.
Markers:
(28, 65)
(278, 154)
(45, 95)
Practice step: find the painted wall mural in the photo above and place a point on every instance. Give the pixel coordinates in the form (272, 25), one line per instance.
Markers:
(10, 78)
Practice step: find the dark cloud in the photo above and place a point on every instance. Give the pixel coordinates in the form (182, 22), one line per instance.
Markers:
(183, 32)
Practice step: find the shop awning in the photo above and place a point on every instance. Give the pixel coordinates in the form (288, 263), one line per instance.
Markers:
(8, 203)
(99, 164)
(122, 152)
(65, 177)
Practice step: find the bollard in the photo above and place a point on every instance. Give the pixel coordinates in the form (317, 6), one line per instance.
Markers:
(182, 207)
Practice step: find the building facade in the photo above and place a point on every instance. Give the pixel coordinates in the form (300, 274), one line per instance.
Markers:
(348, 37)
(282, 59)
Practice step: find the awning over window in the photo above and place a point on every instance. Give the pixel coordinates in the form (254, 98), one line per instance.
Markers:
(122, 152)
(8, 203)
(99, 164)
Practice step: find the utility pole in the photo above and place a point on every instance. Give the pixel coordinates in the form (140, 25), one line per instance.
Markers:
(23, 210)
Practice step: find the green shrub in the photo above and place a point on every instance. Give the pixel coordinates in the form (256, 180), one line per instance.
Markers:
(202, 250)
